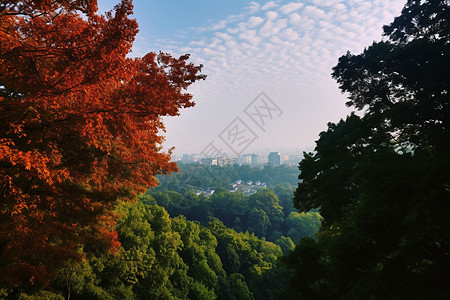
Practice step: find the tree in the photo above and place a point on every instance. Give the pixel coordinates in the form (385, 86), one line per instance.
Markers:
(302, 224)
(79, 128)
(267, 201)
(306, 272)
(285, 193)
(239, 288)
(257, 222)
(286, 244)
(244, 253)
(226, 206)
(379, 180)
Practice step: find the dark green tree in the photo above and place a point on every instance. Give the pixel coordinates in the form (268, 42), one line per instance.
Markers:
(302, 224)
(258, 222)
(267, 201)
(381, 181)
(285, 193)
(226, 206)
(286, 244)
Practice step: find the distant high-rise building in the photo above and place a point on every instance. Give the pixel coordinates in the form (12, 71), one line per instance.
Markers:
(274, 159)
(292, 160)
(263, 159)
(210, 161)
(223, 161)
(193, 157)
(246, 159)
(255, 159)
(185, 158)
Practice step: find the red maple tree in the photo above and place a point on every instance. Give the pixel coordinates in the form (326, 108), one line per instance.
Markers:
(79, 128)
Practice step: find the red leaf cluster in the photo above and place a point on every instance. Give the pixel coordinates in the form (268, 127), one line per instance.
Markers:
(80, 128)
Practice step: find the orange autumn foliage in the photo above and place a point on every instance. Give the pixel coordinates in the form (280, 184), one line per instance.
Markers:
(80, 128)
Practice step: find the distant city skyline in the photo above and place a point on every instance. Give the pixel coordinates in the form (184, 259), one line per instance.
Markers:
(285, 49)
(273, 159)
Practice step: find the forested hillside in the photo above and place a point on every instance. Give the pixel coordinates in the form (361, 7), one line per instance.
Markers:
(268, 212)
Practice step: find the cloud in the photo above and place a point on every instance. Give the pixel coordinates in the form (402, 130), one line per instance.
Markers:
(325, 3)
(209, 51)
(269, 5)
(291, 7)
(301, 23)
(250, 36)
(314, 12)
(270, 27)
(254, 21)
(233, 30)
(267, 29)
(286, 49)
(290, 34)
(254, 7)
(219, 25)
(340, 7)
(197, 43)
(223, 35)
(307, 37)
(271, 15)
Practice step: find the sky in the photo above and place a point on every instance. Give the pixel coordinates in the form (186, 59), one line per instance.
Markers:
(268, 67)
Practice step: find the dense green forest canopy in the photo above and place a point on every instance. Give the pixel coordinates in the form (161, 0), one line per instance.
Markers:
(168, 258)
(268, 212)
